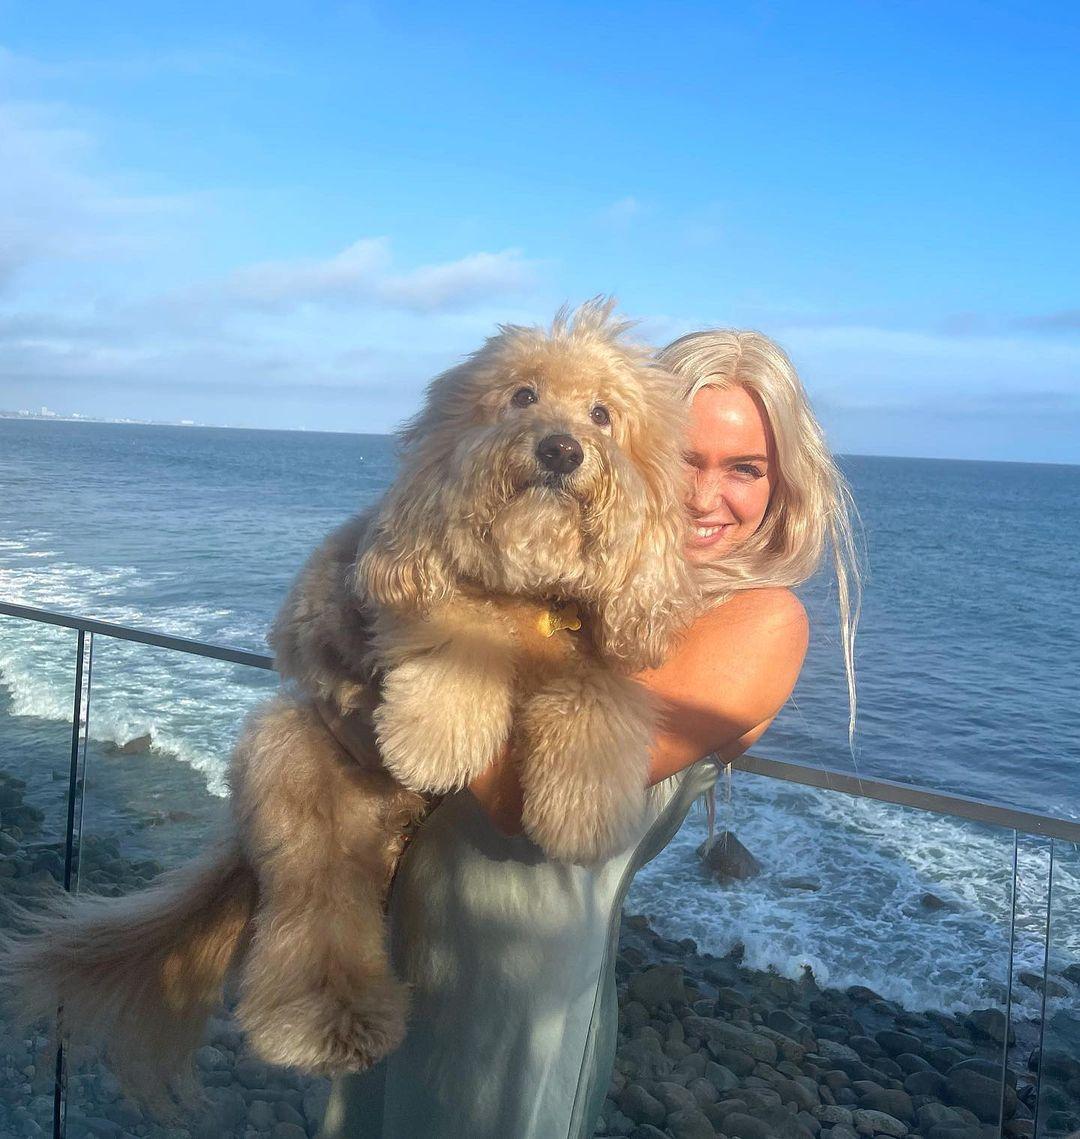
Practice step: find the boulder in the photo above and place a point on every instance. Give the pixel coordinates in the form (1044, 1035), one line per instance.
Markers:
(1035, 981)
(909, 1063)
(140, 745)
(896, 1043)
(689, 1124)
(721, 1036)
(287, 1131)
(991, 1069)
(831, 1114)
(703, 1090)
(662, 984)
(727, 858)
(832, 1050)
(925, 1084)
(895, 1103)
(783, 1125)
(990, 1023)
(877, 1123)
(978, 1094)
(637, 1104)
(740, 1126)
(721, 1078)
(674, 1097)
(647, 1131)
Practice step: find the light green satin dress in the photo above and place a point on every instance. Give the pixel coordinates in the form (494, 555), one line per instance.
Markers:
(511, 957)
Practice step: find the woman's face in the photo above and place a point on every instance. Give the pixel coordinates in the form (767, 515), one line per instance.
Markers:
(731, 466)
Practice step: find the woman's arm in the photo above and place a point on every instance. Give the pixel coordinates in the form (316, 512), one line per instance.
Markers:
(718, 692)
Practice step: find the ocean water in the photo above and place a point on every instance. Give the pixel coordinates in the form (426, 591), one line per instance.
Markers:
(967, 667)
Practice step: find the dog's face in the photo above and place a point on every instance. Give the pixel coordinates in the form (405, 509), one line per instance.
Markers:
(547, 465)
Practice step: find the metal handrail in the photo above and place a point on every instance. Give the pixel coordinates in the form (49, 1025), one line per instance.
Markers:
(911, 795)
(829, 779)
(142, 636)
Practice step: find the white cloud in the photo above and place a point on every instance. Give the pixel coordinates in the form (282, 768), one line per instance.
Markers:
(363, 275)
(620, 214)
(56, 207)
(454, 284)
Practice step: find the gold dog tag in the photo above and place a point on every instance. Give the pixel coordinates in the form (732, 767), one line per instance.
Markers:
(560, 616)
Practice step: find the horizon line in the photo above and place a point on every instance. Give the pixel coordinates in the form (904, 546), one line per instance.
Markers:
(191, 425)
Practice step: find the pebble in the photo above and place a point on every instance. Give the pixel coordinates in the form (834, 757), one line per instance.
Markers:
(689, 1124)
(877, 1123)
(287, 1131)
(637, 1104)
(661, 984)
(260, 1115)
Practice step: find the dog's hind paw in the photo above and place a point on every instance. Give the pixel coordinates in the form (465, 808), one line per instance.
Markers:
(329, 1033)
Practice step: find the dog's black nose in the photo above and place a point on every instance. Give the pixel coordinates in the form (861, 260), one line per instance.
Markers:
(561, 454)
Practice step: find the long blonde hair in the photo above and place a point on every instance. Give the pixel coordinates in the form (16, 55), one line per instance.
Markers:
(810, 507)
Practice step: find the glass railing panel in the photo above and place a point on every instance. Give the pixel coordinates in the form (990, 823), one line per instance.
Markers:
(37, 699)
(1054, 1061)
(857, 980)
(162, 724)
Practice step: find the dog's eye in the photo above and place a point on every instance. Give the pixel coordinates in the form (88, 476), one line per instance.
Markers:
(599, 415)
(523, 397)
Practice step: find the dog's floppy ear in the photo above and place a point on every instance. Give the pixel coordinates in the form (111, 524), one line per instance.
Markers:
(402, 563)
(650, 594)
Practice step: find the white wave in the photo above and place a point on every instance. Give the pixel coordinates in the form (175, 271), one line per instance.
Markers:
(191, 707)
(866, 924)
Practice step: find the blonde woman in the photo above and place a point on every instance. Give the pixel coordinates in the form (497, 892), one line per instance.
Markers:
(510, 956)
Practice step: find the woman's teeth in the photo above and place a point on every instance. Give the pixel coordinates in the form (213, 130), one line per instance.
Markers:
(707, 531)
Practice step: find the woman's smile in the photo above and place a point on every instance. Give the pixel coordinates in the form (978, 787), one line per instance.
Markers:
(707, 534)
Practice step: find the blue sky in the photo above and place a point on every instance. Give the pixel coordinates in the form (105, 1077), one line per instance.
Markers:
(284, 215)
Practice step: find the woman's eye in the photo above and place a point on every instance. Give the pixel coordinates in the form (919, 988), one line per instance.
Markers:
(599, 415)
(749, 469)
(523, 397)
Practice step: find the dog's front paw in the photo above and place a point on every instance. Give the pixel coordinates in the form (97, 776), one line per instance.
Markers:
(439, 737)
(328, 1032)
(583, 758)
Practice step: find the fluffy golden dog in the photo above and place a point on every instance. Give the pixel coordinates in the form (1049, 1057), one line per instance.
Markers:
(526, 561)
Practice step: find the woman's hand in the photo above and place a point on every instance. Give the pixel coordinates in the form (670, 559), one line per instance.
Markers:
(498, 791)
(718, 692)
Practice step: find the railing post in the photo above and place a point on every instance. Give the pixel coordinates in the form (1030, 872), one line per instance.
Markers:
(1046, 982)
(80, 715)
(1009, 980)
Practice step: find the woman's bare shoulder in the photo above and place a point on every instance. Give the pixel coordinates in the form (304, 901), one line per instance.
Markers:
(770, 610)
(728, 678)
(753, 644)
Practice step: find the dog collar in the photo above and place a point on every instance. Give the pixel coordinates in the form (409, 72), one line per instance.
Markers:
(561, 615)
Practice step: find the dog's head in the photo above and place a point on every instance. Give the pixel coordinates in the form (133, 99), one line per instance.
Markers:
(547, 465)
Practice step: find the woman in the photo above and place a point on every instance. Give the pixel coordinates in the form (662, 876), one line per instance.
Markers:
(510, 955)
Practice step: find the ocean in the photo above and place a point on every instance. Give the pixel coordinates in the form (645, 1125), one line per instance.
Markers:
(966, 659)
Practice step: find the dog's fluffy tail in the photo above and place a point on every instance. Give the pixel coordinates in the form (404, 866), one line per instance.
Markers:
(136, 976)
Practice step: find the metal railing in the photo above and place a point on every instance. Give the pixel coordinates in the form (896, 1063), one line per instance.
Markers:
(1020, 822)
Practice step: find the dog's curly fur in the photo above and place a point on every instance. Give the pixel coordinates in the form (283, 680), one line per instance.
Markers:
(413, 656)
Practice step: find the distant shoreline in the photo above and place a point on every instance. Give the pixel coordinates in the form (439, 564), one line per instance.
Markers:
(189, 424)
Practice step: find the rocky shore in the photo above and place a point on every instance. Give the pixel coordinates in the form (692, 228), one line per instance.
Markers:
(706, 1047)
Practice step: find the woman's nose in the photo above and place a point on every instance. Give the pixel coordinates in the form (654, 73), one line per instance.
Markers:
(705, 492)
